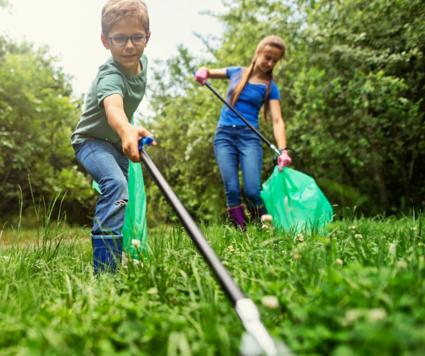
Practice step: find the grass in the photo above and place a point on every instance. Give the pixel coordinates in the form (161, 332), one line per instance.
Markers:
(9, 235)
(357, 290)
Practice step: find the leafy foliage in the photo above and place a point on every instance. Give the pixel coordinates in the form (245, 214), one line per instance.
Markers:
(37, 116)
(363, 85)
(4, 4)
(352, 90)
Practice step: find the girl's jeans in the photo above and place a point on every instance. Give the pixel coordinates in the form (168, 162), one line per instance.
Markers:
(108, 166)
(234, 145)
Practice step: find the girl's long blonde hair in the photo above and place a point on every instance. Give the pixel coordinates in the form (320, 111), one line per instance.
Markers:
(273, 41)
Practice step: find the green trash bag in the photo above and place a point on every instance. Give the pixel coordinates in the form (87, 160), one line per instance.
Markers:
(135, 212)
(295, 201)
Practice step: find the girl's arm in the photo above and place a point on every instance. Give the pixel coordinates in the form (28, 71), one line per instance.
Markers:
(278, 124)
(279, 133)
(217, 73)
(203, 73)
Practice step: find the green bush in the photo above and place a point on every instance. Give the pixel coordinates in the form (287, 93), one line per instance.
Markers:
(37, 117)
(352, 89)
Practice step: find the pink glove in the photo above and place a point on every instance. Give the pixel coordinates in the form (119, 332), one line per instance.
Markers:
(201, 75)
(283, 160)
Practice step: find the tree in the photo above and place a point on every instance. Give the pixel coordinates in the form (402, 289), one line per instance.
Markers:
(4, 3)
(363, 83)
(37, 116)
(352, 89)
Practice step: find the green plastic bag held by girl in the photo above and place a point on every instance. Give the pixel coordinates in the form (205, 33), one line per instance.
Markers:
(295, 201)
(135, 212)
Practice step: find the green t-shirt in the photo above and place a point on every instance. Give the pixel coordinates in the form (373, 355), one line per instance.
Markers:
(110, 80)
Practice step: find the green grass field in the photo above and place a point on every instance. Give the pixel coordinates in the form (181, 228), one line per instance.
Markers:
(357, 290)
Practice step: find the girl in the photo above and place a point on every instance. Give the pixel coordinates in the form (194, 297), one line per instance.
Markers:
(235, 143)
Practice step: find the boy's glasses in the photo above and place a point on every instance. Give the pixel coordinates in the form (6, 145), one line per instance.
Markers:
(119, 41)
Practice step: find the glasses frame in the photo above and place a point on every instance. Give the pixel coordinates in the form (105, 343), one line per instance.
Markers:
(128, 38)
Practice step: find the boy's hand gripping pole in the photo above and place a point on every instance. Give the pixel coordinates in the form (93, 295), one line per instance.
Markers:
(245, 308)
(266, 141)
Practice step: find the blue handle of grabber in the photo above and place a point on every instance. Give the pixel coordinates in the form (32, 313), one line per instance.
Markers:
(145, 141)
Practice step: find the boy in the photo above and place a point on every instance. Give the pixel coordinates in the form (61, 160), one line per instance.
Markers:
(105, 140)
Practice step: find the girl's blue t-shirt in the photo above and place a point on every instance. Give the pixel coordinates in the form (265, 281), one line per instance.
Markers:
(250, 101)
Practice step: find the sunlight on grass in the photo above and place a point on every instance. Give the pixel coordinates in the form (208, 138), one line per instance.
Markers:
(358, 289)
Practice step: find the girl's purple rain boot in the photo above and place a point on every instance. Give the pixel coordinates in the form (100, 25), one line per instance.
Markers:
(237, 217)
(257, 212)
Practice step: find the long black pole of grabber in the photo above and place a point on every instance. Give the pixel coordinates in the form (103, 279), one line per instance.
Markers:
(244, 307)
(230, 287)
(267, 142)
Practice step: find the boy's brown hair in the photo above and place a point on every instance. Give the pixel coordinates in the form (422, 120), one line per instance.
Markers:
(115, 10)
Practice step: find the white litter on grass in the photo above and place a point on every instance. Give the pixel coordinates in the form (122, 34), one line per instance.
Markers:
(135, 243)
(299, 237)
(153, 290)
(401, 264)
(270, 301)
(125, 261)
(376, 315)
(266, 218)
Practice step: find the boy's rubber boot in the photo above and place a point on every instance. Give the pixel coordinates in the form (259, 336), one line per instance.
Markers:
(257, 212)
(106, 253)
(237, 217)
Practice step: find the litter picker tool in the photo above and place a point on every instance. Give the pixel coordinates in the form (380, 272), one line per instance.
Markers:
(244, 307)
(266, 141)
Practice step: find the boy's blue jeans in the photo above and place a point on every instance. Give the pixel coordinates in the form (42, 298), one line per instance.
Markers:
(108, 165)
(234, 145)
